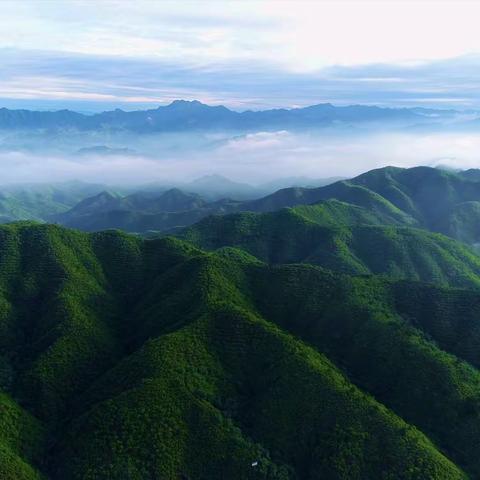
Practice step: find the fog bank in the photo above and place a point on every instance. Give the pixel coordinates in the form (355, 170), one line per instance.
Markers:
(254, 158)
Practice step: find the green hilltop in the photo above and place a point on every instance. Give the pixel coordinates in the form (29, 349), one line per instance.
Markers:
(434, 199)
(155, 359)
(428, 198)
(325, 333)
(344, 238)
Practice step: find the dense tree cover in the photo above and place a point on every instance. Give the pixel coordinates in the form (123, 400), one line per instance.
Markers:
(129, 358)
(344, 238)
(434, 199)
(422, 197)
(429, 198)
(40, 201)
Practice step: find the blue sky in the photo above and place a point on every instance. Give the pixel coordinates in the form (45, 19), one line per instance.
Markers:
(92, 56)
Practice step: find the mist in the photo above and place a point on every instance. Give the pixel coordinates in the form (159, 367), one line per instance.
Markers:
(254, 158)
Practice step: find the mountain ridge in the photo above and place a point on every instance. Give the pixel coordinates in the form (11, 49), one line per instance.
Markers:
(318, 235)
(184, 352)
(437, 200)
(191, 115)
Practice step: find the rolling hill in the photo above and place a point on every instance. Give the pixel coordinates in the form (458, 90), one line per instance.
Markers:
(411, 190)
(39, 201)
(429, 198)
(435, 199)
(130, 358)
(172, 200)
(140, 212)
(344, 238)
(423, 197)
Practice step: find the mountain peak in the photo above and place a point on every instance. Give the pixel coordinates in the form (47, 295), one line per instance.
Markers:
(187, 103)
(175, 193)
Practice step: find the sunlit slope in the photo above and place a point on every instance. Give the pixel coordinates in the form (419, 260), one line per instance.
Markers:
(154, 359)
(344, 238)
(431, 198)
(39, 201)
(22, 441)
(423, 197)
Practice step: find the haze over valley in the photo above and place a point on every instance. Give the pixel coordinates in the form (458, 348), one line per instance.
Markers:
(183, 141)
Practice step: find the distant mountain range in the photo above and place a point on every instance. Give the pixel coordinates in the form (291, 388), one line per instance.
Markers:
(183, 115)
(103, 150)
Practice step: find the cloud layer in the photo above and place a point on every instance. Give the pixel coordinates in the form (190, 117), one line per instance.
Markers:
(38, 79)
(255, 54)
(254, 158)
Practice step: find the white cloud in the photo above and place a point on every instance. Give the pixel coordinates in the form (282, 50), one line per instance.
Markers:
(360, 32)
(254, 158)
(263, 53)
(301, 35)
(256, 142)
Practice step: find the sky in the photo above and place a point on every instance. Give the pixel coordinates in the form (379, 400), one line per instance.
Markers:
(97, 55)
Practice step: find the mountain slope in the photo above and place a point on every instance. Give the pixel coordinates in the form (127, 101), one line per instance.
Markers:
(435, 199)
(96, 214)
(21, 441)
(151, 358)
(38, 202)
(140, 221)
(218, 187)
(343, 238)
(173, 200)
(138, 212)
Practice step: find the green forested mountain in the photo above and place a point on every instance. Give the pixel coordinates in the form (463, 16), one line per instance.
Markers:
(333, 340)
(343, 238)
(141, 220)
(39, 201)
(153, 359)
(438, 200)
(138, 212)
(171, 200)
(429, 198)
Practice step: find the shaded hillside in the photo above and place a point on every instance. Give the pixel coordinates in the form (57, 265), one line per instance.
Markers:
(433, 199)
(463, 222)
(153, 359)
(215, 187)
(438, 200)
(343, 238)
(173, 200)
(103, 211)
(106, 211)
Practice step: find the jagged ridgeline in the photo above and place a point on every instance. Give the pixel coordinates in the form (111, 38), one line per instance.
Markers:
(153, 359)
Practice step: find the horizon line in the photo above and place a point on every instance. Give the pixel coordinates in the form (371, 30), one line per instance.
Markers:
(195, 101)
